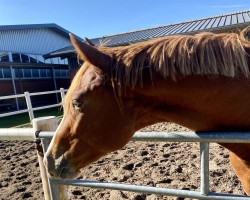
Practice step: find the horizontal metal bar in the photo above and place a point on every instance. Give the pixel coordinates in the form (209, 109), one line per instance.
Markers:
(45, 107)
(13, 113)
(150, 190)
(17, 134)
(220, 137)
(12, 96)
(42, 93)
(46, 134)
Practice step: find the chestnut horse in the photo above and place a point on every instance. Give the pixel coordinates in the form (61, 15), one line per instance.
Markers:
(200, 82)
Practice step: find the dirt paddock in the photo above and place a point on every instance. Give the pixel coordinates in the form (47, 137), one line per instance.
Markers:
(173, 165)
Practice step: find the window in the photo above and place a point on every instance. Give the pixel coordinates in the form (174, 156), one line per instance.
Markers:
(1, 72)
(63, 72)
(27, 73)
(63, 61)
(48, 61)
(48, 71)
(57, 72)
(35, 73)
(40, 59)
(6, 73)
(33, 59)
(43, 73)
(55, 60)
(16, 57)
(25, 58)
(4, 57)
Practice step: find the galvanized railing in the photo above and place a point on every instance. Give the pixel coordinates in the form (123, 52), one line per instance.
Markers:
(204, 138)
(30, 109)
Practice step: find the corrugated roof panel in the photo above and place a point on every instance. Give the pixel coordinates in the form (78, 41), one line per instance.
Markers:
(216, 22)
(190, 25)
(152, 33)
(234, 19)
(175, 29)
(155, 32)
(137, 35)
(228, 20)
(240, 18)
(194, 25)
(163, 31)
(204, 25)
(211, 23)
(146, 34)
(199, 25)
(222, 21)
(180, 28)
(140, 35)
(167, 30)
(246, 17)
(128, 37)
(185, 28)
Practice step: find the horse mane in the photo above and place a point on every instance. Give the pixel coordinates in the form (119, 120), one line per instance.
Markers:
(206, 54)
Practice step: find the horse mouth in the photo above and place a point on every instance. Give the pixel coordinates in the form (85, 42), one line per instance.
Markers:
(63, 173)
(60, 169)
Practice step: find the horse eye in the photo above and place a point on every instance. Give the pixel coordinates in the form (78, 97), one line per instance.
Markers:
(76, 104)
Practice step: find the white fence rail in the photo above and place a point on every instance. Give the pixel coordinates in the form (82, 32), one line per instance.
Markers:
(203, 138)
(30, 109)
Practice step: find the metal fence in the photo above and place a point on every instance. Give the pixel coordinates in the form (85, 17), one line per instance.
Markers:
(204, 138)
(30, 109)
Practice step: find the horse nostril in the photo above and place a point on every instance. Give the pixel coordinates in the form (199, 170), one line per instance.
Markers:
(63, 170)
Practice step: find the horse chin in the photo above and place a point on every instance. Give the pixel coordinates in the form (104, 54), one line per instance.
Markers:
(66, 173)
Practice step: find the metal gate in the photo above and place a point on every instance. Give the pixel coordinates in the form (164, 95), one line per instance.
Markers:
(204, 138)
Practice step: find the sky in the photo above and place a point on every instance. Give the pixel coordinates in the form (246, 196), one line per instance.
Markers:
(97, 18)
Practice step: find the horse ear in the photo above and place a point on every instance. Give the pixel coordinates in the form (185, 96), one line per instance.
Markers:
(89, 42)
(91, 54)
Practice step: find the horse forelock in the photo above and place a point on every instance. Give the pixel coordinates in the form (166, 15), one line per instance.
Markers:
(206, 54)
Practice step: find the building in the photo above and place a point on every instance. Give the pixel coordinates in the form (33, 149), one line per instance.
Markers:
(22, 65)
(223, 23)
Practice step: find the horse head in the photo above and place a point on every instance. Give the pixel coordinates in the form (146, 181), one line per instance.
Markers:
(93, 123)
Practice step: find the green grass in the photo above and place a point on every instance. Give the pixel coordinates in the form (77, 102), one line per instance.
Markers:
(23, 119)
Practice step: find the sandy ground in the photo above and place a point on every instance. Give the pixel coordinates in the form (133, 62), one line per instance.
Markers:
(173, 165)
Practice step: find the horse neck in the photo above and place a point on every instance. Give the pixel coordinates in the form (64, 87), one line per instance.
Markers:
(198, 103)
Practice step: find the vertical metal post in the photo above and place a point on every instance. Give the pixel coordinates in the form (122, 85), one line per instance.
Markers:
(29, 105)
(204, 164)
(53, 188)
(20, 80)
(54, 80)
(62, 93)
(54, 191)
(14, 85)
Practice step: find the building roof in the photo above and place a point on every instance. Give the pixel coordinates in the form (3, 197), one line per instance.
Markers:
(211, 24)
(51, 26)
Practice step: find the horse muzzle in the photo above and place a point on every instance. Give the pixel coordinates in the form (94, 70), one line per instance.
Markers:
(58, 168)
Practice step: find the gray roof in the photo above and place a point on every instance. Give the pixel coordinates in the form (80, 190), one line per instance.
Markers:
(216, 23)
(51, 26)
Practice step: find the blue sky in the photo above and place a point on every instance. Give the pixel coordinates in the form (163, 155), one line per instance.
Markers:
(96, 18)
